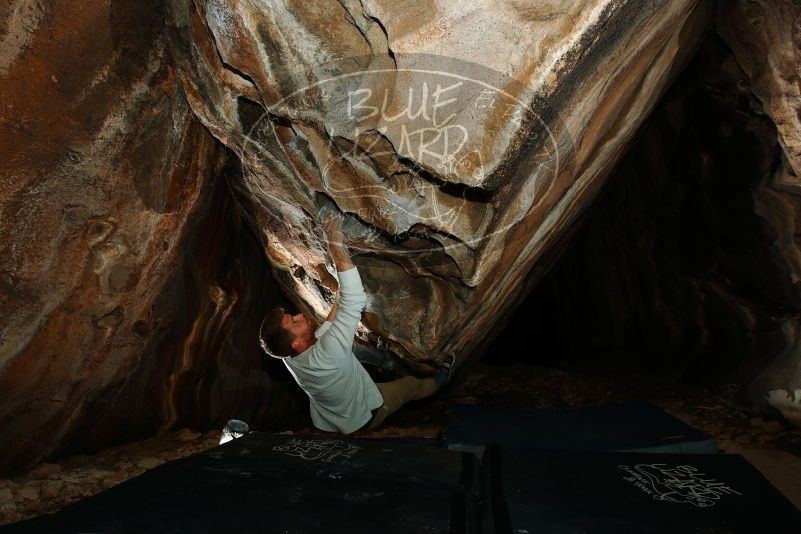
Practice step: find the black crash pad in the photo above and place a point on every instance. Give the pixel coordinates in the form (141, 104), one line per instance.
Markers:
(636, 426)
(536, 491)
(285, 484)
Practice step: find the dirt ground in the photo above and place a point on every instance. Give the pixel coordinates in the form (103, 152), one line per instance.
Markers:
(771, 446)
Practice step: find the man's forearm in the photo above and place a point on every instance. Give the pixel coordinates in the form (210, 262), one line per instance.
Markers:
(351, 297)
(333, 311)
(340, 256)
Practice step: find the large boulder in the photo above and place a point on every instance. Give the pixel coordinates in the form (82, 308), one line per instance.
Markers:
(462, 140)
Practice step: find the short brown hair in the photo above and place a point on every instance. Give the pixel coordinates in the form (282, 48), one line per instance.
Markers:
(275, 340)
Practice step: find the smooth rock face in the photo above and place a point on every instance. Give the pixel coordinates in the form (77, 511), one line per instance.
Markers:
(462, 139)
(120, 288)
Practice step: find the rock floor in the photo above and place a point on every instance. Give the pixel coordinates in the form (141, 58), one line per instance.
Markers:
(770, 445)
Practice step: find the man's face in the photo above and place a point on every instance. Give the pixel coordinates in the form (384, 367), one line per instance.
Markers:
(299, 326)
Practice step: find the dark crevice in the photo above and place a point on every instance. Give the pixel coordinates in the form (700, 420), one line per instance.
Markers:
(227, 65)
(672, 253)
(466, 192)
(469, 193)
(250, 113)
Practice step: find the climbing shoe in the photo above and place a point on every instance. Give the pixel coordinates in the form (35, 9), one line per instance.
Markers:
(445, 371)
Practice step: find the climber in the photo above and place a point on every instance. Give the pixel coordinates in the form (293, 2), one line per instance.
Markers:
(320, 357)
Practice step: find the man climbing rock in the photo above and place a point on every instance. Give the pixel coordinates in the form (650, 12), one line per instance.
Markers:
(343, 396)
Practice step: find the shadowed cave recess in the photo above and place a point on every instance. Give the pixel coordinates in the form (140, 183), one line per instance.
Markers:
(675, 270)
(679, 266)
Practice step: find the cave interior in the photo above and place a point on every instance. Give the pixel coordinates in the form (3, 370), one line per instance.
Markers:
(674, 285)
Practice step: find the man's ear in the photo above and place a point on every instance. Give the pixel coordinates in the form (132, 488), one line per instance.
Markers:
(299, 345)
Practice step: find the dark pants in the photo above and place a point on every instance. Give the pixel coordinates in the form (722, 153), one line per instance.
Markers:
(399, 392)
(395, 393)
(372, 356)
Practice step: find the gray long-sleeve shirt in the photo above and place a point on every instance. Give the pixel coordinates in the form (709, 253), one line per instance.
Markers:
(341, 392)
